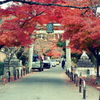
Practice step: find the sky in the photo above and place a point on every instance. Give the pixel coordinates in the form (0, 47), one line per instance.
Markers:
(4, 6)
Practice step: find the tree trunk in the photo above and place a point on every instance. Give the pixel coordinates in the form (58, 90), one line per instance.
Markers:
(97, 58)
(95, 52)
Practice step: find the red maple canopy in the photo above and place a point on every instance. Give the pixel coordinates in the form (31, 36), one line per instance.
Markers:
(80, 23)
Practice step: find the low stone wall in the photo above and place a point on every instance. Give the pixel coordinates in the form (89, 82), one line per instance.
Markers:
(84, 71)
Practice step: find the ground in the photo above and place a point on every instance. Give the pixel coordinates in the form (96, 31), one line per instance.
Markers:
(92, 81)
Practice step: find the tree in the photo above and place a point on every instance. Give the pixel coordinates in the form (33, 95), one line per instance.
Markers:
(61, 44)
(84, 34)
(24, 26)
(78, 17)
(48, 48)
(1, 68)
(48, 3)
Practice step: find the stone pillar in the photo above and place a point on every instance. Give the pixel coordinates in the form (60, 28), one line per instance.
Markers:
(68, 56)
(30, 58)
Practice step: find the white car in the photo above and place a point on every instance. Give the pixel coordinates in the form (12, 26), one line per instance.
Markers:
(53, 63)
(37, 64)
(46, 64)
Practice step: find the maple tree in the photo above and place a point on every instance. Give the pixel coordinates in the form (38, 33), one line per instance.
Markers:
(24, 26)
(77, 16)
(49, 48)
(84, 33)
(54, 53)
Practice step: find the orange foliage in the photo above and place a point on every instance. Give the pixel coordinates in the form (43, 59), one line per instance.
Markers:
(80, 25)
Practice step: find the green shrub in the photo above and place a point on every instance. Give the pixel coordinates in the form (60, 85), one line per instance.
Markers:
(23, 58)
(1, 68)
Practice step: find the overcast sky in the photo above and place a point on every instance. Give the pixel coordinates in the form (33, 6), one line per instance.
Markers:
(4, 6)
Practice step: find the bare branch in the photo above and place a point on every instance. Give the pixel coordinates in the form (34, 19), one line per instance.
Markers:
(26, 22)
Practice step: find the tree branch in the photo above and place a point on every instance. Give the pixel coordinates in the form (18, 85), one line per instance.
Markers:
(85, 12)
(45, 4)
(26, 22)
